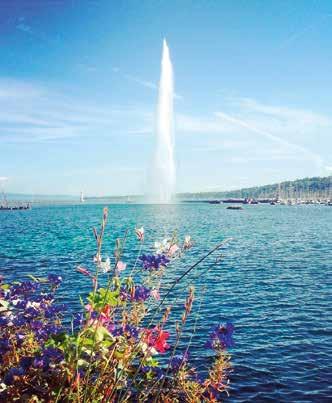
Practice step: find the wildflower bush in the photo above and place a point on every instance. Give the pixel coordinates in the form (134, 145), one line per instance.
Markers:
(118, 348)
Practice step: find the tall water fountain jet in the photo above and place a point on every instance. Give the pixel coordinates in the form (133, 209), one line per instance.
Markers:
(162, 186)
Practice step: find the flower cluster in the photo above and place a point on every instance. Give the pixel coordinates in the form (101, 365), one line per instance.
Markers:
(221, 336)
(156, 339)
(119, 348)
(138, 293)
(153, 262)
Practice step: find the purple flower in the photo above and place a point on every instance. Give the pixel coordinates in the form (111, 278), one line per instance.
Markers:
(49, 330)
(127, 330)
(178, 361)
(4, 346)
(54, 309)
(32, 312)
(24, 288)
(26, 362)
(152, 262)
(4, 321)
(221, 336)
(78, 320)
(36, 325)
(54, 279)
(21, 304)
(53, 353)
(139, 294)
(40, 362)
(13, 372)
(20, 321)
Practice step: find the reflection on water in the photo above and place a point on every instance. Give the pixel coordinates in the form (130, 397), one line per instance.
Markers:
(273, 282)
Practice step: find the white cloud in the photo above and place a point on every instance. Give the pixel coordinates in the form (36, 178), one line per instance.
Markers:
(144, 83)
(11, 89)
(197, 124)
(34, 113)
(147, 84)
(265, 133)
(289, 131)
(3, 178)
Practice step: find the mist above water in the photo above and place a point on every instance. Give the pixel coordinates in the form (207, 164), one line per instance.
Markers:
(162, 174)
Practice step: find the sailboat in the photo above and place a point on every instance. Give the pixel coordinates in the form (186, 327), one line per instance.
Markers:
(82, 200)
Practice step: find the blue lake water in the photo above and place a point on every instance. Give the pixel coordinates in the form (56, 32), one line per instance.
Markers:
(273, 281)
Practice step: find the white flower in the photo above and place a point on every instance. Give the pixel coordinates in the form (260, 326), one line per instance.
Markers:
(106, 265)
(163, 246)
(187, 244)
(140, 233)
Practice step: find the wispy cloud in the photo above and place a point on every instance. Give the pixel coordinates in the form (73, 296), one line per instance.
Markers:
(147, 84)
(144, 83)
(265, 133)
(36, 113)
(291, 129)
(304, 30)
(24, 27)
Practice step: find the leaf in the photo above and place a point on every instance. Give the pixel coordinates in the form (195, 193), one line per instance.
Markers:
(102, 333)
(37, 280)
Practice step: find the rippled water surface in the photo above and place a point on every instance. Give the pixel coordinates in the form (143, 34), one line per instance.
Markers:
(273, 281)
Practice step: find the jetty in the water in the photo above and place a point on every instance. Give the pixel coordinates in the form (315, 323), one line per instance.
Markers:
(7, 206)
(15, 207)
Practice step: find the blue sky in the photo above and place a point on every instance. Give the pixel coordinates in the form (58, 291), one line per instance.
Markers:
(78, 91)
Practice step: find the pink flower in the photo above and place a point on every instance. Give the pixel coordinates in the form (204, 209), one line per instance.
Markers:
(172, 250)
(140, 234)
(97, 259)
(83, 270)
(155, 294)
(157, 339)
(120, 266)
(89, 308)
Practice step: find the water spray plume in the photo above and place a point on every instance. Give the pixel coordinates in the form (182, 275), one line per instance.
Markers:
(162, 186)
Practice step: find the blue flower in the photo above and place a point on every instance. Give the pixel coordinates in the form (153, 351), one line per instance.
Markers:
(152, 262)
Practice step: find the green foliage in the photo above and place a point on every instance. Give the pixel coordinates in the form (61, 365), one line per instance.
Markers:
(301, 188)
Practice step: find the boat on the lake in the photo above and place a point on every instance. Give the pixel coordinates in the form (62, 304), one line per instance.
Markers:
(234, 208)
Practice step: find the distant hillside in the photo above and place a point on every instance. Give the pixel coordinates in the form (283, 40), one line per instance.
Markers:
(307, 188)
